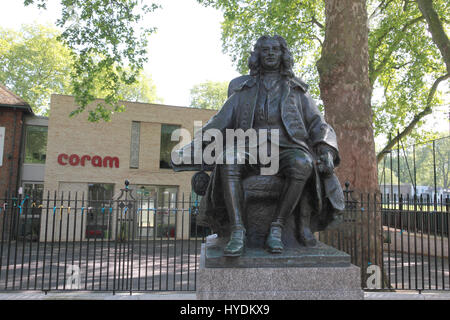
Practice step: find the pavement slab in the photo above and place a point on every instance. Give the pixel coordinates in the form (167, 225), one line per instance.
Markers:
(86, 295)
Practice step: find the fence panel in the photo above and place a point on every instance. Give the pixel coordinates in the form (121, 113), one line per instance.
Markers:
(65, 242)
(68, 242)
(413, 243)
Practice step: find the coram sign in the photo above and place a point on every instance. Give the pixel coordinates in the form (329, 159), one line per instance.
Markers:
(96, 161)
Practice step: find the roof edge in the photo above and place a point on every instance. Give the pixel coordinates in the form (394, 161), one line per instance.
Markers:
(17, 102)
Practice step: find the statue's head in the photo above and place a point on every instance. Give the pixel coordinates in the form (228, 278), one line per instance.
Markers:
(271, 53)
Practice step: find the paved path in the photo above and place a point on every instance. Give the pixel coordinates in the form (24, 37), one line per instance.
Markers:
(417, 271)
(407, 295)
(159, 266)
(82, 295)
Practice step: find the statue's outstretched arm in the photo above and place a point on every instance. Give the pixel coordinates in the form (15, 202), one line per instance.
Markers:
(222, 120)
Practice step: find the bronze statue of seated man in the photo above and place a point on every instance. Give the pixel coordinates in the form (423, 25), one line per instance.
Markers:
(271, 99)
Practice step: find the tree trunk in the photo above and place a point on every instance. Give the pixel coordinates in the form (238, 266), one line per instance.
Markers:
(436, 29)
(346, 92)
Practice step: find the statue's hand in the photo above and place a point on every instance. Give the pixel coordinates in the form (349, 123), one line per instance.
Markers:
(326, 164)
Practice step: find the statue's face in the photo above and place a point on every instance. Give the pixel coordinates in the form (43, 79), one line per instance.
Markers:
(270, 55)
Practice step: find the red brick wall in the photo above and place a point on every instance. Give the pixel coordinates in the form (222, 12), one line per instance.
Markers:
(11, 151)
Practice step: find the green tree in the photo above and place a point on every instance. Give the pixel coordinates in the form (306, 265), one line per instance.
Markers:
(405, 63)
(34, 64)
(209, 95)
(422, 164)
(309, 28)
(411, 69)
(107, 43)
(143, 90)
(432, 11)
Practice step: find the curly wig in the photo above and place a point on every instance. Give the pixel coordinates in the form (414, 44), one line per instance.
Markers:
(287, 61)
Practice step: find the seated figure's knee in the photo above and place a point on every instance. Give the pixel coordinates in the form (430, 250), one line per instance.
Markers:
(301, 166)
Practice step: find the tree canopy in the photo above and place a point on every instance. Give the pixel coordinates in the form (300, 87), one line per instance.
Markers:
(35, 64)
(209, 95)
(406, 65)
(422, 164)
(108, 41)
(408, 49)
(143, 90)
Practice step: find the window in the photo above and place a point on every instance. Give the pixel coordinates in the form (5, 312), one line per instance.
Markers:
(135, 143)
(35, 144)
(156, 210)
(166, 145)
(99, 216)
(34, 191)
(29, 223)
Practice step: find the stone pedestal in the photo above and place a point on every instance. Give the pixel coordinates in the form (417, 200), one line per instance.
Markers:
(318, 273)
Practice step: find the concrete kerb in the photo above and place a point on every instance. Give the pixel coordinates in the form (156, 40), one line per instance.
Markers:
(407, 295)
(87, 295)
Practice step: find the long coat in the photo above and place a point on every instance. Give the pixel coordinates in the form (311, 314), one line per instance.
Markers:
(305, 126)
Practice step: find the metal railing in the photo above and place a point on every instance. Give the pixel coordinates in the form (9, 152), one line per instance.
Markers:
(406, 238)
(67, 242)
(415, 169)
(71, 242)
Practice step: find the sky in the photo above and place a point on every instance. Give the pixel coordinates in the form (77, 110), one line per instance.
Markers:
(185, 50)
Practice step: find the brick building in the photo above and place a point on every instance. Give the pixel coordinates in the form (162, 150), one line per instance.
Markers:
(13, 111)
(92, 160)
(63, 154)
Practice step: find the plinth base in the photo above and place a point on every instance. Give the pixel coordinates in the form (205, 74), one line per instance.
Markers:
(321, 255)
(295, 282)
